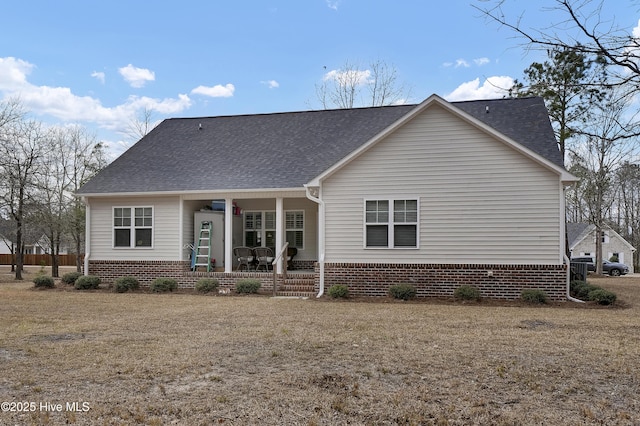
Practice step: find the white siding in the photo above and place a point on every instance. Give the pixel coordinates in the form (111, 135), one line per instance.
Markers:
(166, 241)
(480, 200)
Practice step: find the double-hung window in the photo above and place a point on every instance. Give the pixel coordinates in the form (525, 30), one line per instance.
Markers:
(260, 228)
(132, 227)
(391, 223)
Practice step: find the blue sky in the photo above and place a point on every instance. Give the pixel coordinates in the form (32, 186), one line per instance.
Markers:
(100, 64)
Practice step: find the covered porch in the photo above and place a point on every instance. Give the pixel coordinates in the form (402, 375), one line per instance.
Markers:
(250, 233)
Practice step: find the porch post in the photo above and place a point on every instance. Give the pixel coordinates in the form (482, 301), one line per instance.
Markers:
(279, 231)
(228, 235)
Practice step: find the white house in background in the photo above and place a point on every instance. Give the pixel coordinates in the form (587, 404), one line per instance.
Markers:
(582, 242)
(437, 195)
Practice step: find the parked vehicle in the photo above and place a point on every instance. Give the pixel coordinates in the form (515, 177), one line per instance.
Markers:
(614, 269)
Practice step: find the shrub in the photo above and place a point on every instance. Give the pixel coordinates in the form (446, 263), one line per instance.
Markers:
(87, 282)
(534, 296)
(124, 284)
(205, 285)
(339, 291)
(602, 296)
(581, 289)
(70, 277)
(43, 281)
(248, 285)
(162, 285)
(402, 291)
(466, 292)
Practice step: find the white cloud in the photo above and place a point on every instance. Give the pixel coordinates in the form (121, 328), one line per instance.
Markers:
(350, 75)
(463, 63)
(98, 76)
(136, 77)
(217, 91)
(13, 74)
(62, 104)
(492, 88)
(271, 84)
(333, 4)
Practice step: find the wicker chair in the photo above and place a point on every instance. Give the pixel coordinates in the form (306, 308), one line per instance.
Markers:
(245, 257)
(264, 257)
(291, 253)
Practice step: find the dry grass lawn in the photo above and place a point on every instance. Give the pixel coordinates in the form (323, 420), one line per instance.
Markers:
(189, 359)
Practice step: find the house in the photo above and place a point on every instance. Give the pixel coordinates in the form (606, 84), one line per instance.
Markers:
(582, 242)
(437, 195)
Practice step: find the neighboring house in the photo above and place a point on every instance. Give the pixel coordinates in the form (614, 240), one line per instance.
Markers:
(437, 195)
(41, 246)
(5, 245)
(582, 242)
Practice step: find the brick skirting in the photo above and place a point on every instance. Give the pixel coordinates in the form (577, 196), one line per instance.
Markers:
(147, 271)
(366, 279)
(436, 280)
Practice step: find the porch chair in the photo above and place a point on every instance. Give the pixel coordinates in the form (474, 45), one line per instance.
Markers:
(291, 253)
(245, 258)
(264, 257)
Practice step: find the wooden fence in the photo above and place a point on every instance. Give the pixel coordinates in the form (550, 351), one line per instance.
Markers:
(41, 259)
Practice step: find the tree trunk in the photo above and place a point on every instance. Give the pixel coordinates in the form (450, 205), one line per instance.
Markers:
(19, 254)
(598, 250)
(79, 264)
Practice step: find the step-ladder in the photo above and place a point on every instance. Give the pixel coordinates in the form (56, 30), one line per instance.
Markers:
(202, 249)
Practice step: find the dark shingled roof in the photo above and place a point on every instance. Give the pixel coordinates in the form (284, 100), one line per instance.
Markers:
(575, 232)
(285, 150)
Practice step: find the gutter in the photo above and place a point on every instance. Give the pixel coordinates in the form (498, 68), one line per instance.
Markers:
(572, 299)
(320, 203)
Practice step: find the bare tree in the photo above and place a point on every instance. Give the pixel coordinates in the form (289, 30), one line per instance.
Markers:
(87, 157)
(582, 29)
(141, 124)
(608, 140)
(352, 86)
(72, 157)
(627, 205)
(21, 153)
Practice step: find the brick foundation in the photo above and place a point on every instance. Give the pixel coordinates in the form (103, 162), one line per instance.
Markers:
(430, 280)
(147, 271)
(366, 279)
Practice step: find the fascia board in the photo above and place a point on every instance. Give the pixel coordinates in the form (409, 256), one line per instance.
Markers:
(262, 192)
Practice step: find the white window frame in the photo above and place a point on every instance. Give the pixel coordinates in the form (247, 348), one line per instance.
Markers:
(294, 229)
(263, 231)
(132, 227)
(391, 223)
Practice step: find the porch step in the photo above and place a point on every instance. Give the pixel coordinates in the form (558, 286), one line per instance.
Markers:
(297, 287)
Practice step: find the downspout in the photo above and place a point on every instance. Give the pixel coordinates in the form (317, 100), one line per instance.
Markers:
(316, 199)
(572, 299)
(87, 233)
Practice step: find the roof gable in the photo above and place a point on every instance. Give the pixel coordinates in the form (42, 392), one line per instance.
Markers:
(579, 231)
(288, 150)
(529, 124)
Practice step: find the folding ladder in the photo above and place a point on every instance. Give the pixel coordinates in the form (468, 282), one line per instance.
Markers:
(202, 250)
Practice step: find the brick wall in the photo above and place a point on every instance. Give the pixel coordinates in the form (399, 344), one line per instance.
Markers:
(493, 281)
(147, 271)
(366, 279)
